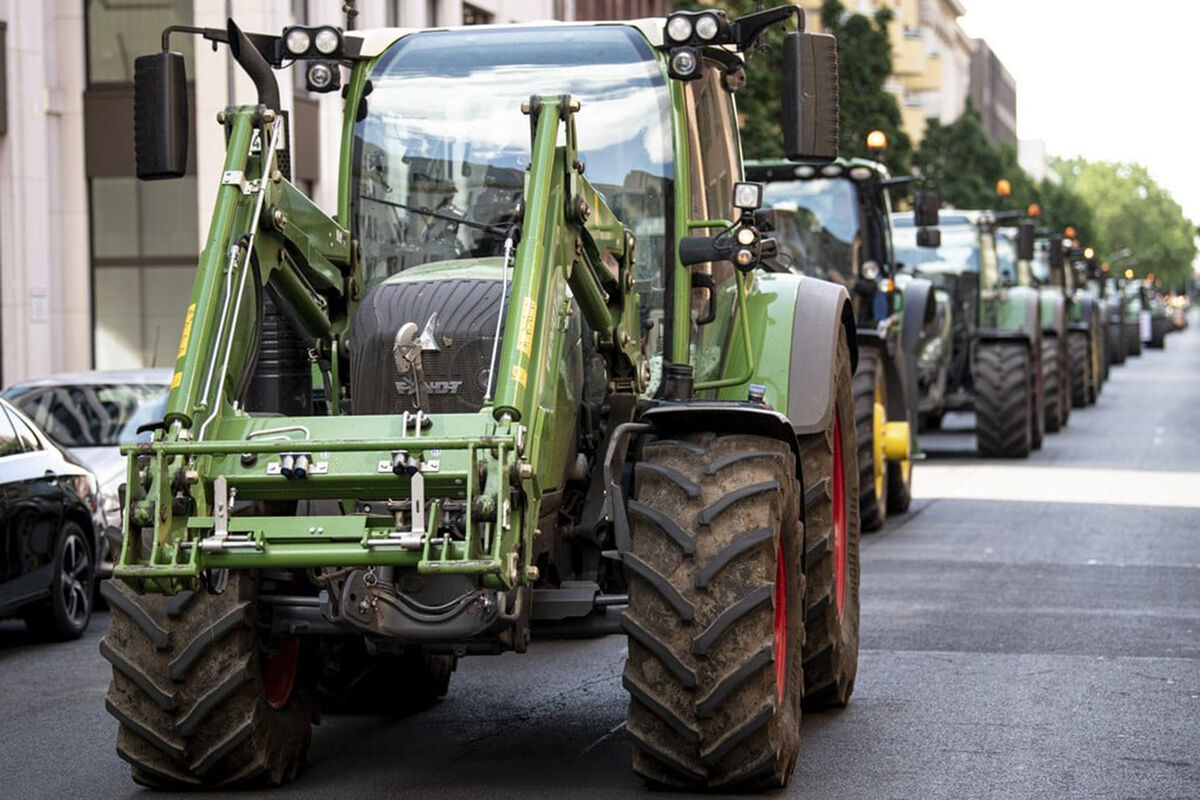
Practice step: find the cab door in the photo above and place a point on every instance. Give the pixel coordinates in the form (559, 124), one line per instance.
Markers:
(31, 514)
(714, 165)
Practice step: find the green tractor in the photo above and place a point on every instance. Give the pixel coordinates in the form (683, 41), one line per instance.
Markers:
(1044, 273)
(834, 222)
(535, 370)
(1082, 319)
(989, 360)
(1115, 305)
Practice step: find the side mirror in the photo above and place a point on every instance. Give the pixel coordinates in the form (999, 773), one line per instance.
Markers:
(926, 203)
(809, 96)
(160, 115)
(929, 237)
(1025, 233)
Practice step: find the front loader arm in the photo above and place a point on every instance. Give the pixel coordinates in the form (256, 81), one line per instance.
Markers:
(263, 230)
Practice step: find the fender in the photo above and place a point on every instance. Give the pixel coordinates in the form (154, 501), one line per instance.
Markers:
(895, 363)
(1087, 309)
(1016, 311)
(920, 312)
(823, 313)
(1053, 312)
(920, 318)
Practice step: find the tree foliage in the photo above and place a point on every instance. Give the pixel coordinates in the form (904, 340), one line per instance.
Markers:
(964, 165)
(1131, 211)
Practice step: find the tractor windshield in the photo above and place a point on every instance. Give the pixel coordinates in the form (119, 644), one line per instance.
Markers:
(959, 251)
(817, 223)
(444, 145)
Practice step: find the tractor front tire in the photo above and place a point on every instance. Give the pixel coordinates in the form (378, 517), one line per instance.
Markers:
(716, 613)
(1004, 399)
(870, 387)
(831, 553)
(199, 700)
(1052, 385)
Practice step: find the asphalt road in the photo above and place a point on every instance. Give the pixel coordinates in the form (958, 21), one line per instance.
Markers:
(1026, 632)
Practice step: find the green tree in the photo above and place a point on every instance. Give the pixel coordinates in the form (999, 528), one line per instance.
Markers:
(1131, 211)
(962, 164)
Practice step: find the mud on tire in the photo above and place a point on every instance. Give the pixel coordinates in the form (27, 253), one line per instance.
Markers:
(189, 692)
(713, 703)
(831, 642)
(1003, 399)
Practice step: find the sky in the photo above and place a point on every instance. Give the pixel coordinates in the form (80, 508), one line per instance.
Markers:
(1106, 80)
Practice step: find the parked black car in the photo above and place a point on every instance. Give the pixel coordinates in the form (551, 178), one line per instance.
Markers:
(49, 530)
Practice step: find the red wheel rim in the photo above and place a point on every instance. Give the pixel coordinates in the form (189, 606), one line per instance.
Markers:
(279, 673)
(781, 621)
(839, 516)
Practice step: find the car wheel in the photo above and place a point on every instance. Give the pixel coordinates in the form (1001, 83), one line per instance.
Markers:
(65, 615)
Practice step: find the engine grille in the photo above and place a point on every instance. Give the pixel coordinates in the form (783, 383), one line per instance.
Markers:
(456, 374)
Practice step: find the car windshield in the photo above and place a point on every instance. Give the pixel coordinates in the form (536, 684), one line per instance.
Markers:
(444, 133)
(817, 223)
(92, 415)
(959, 251)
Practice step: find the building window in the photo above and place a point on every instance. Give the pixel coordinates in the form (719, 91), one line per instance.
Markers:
(118, 31)
(143, 262)
(473, 15)
(431, 13)
(391, 14)
(144, 235)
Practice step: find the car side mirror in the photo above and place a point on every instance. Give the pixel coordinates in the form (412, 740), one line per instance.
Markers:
(160, 115)
(926, 203)
(1025, 234)
(809, 96)
(929, 237)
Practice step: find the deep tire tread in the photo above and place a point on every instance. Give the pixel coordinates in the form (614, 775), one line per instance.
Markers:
(1003, 399)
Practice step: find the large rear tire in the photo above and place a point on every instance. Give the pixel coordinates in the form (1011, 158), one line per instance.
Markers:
(1003, 399)
(1052, 385)
(716, 613)
(1116, 343)
(1158, 333)
(831, 553)
(1133, 339)
(201, 700)
(870, 390)
(1080, 367)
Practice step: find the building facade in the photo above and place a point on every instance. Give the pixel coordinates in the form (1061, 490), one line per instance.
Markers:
(95, 266)
(994, 94)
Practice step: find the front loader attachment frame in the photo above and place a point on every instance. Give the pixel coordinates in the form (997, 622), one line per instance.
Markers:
(396, 476)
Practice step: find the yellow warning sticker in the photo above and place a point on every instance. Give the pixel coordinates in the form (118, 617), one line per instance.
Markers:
(187, 330)
(525, 337)
(518, 374)
(175, 379)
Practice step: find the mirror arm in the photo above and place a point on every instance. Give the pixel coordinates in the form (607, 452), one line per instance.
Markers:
(746, 30)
